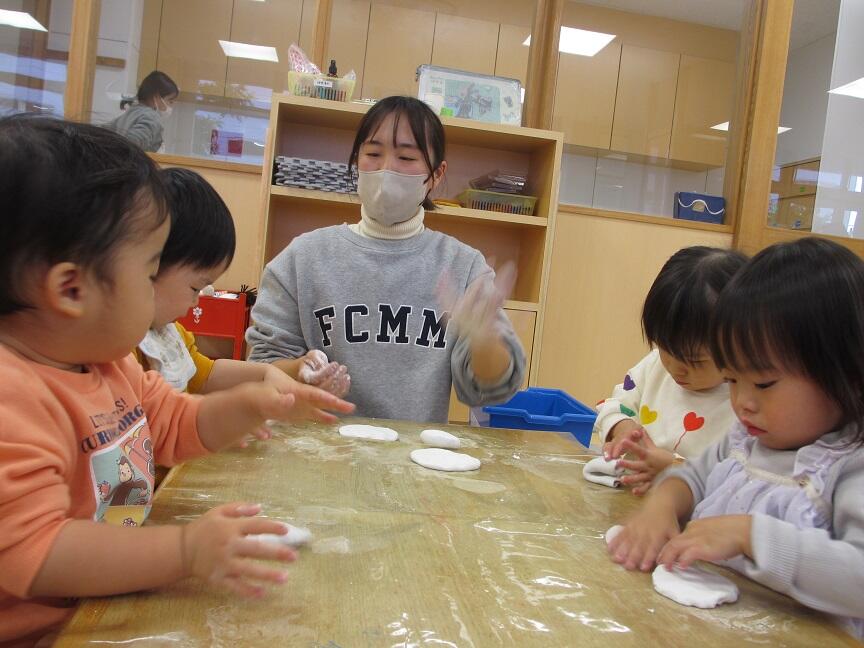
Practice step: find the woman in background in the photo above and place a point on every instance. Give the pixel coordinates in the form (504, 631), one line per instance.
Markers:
(141, 120)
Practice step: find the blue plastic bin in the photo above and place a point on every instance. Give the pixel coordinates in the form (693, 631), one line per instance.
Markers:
(537, 408)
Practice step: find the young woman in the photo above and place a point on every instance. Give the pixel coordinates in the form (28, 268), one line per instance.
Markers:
(367, 303)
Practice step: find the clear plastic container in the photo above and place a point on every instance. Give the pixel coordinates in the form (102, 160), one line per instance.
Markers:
(320, 86)
(498, 202)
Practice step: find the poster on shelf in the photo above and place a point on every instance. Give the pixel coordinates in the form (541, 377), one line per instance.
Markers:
(226, 143)
(456, 93)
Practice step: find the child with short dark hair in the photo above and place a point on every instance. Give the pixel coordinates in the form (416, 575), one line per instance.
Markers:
(83, 225)
(779, 497)
(674, 402)
(199, 249)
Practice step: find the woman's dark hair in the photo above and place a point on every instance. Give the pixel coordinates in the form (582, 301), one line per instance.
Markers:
(202, 230)
(157, 84)
(678, 308)
(798, 307)
(70, 192)
(425, 127)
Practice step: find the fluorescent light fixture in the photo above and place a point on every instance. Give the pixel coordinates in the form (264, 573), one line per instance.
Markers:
(247, 51)
(725, 127)
(19, 19)
(580, 41)
(849, 218)
(851, 89)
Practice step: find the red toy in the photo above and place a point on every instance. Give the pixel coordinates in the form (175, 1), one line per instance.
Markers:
(220, 317)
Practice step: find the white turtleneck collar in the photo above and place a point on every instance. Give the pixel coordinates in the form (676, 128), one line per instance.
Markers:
(371, 228)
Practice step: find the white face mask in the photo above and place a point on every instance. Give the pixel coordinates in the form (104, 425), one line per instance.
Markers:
(165, 112)
(389, 197)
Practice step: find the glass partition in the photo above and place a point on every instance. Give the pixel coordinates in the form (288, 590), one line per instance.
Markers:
(227, 58)
(818, 181)
(34, 46)
(644, 98)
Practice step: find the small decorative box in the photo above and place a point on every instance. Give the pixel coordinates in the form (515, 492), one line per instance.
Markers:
(700, 207)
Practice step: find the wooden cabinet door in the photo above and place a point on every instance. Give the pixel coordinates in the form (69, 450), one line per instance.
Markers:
(189, 50)
(585, 96)
(465, 44)
(151, 16)
(511, 59)
(645, 101)
(273, 24)
(523, 325)
(399, 40)
(349, 27)
(703, 100)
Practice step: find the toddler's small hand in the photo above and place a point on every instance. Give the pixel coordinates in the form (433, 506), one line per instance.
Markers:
(309, 402)
(216, 549)
(265, 402)
(711, 539)
(647, 462)
(645, 534)
(630, 431)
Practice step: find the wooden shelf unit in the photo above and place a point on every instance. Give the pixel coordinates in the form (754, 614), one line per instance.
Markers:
(324, 130)
(795, 191)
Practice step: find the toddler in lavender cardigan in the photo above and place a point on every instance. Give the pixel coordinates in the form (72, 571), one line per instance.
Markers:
(779, 498)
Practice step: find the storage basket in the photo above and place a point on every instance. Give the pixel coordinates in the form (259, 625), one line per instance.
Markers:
(320, 86)
(498, 202)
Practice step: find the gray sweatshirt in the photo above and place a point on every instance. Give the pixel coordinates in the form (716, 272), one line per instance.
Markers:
(821, 568)
(141, 125)
(370, 304)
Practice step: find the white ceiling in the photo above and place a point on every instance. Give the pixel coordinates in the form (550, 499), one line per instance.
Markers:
(812, 20)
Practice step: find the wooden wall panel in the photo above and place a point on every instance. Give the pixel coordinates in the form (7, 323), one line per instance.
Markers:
(601, 271)
(274, 24)
(399, 40)
(585, 96)
(189, 50)
(703, 100)
(645, 101)
(465, 44)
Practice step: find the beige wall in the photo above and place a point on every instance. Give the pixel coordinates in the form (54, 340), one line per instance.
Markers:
(601, 270)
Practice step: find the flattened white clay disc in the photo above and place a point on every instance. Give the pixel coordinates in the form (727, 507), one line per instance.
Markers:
(612, 532)
(295, 537)
(440, 439)
(446, 460)
(371, 432)
(694, 586)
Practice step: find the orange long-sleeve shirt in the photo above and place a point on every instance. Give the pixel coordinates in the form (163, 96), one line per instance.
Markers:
(77, 446)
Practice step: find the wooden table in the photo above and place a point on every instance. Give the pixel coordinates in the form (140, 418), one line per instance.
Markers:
(510, 555)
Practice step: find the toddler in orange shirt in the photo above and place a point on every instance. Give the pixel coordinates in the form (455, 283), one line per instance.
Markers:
(81, 424)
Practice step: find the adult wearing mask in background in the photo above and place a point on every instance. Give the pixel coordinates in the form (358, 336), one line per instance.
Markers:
(374, 298)
(142, 119)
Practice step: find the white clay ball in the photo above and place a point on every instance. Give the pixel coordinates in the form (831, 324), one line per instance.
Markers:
(440, 439)
(446, 460)
(368, 432)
